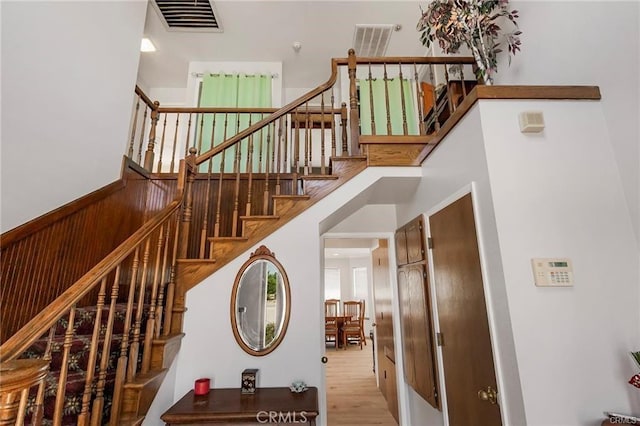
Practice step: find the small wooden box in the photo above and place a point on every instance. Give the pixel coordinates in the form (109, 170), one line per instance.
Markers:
(249, 381)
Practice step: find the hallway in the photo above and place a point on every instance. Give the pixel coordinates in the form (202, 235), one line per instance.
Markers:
(352, 396)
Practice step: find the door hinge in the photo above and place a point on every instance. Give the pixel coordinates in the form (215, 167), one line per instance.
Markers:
(439, 339)
(430, 242)
(424, 274)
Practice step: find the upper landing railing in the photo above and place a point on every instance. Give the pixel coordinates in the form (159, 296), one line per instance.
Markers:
(364, 100)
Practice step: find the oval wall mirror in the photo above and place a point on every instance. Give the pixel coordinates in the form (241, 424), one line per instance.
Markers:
(260, 303)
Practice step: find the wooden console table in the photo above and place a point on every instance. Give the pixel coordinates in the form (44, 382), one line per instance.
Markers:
(230, 406)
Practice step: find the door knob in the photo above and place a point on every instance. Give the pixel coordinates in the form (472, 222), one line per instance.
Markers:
(490, 395)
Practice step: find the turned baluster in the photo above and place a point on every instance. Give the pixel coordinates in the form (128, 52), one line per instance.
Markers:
(405, 129)
(371, 104)
(281, 153)
(223, 154)
(83, 417)
(151, 320)
(133, 128)
(343, 124)
(452, 107)
(420, 99)
(134, 349)
(186, 141)
(141, 140)
(435, 108)
(164, 129)
(333, 126)
(322, 157)
(270, 149)
(175, 144)
(163, 281)
(261, 146)
(171, 307)
(287, 159)
(386, 99)
(123, 359)
(98, 402)
(149, 154)
(236, 197)
(353, 105)
(250, 178)
(64, 370)
(38, 404)
(205, 219)
(307, 140)
(187, 211)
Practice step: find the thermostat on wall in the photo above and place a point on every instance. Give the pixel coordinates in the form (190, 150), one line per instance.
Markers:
(553, 272)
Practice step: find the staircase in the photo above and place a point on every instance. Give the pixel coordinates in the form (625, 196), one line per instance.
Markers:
(76, 356)
(109, 338)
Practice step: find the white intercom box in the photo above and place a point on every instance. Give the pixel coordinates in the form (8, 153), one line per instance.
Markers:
(552, 272)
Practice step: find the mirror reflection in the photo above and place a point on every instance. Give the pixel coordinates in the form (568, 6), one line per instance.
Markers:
(260, 303)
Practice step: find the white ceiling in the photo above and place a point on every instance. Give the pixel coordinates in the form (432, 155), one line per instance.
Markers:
(266, 30)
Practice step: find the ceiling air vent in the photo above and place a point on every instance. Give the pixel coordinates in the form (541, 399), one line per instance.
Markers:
(188, 15)
(372, 40)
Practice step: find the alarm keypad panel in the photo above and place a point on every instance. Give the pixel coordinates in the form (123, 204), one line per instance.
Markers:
(552, 272)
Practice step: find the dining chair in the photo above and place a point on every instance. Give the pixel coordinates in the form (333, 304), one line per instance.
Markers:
(353, 327)
(331, 329)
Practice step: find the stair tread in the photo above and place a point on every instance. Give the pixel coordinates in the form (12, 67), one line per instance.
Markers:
(350, 158)
(259, 217)
(292, 196)
(319, 177)
(227, 238)
(142, 379)
(196, 260)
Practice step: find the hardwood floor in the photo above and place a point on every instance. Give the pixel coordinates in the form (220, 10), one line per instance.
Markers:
(352, 395)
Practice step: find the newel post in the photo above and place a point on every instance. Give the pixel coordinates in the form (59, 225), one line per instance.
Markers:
(187, 208)
(353, 104)
(148, 155)
(175, 290)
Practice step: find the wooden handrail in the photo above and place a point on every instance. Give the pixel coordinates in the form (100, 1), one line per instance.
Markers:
(145, 98)
(422, 60)
(217, 110)
(20, 341)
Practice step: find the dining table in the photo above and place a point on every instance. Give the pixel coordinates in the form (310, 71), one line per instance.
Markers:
(340, 320)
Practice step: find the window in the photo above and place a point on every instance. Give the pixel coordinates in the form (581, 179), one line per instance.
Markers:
(331, 283)
(360, 285)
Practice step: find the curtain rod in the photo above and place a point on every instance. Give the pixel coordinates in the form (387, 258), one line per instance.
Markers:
(201, 74)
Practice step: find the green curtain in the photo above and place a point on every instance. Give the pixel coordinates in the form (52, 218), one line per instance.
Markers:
(376, 88)
(236, 91)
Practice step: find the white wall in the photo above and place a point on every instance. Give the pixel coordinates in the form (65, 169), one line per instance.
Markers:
(549, 203)
(592, 43)
(453, 166)
(66, 97)
(537, 196)
(209, 348)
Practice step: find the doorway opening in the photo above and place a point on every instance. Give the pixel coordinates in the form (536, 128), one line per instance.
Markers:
(355, 392)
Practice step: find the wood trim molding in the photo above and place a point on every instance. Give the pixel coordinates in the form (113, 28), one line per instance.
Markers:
(480, 92)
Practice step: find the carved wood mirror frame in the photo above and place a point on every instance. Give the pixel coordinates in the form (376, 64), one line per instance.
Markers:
(259, 290)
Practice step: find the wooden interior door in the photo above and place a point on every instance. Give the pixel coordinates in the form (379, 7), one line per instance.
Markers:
(462, 312)
(385, 359)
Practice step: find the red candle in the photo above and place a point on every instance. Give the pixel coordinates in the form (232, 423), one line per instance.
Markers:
(201, 386)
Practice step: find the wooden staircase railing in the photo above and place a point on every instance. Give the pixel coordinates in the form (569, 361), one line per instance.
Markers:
(136, 281)
(433, 88)
(257, 169)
